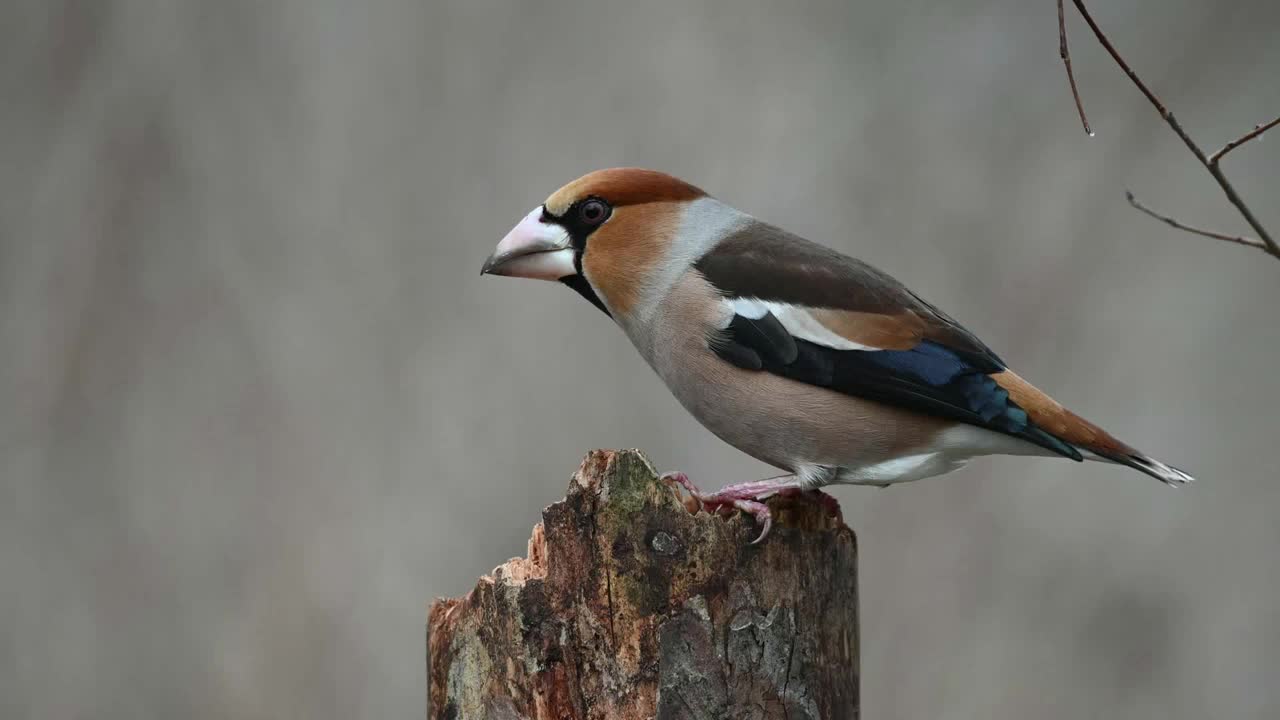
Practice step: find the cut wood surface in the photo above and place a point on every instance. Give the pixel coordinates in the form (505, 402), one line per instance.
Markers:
(628, 606)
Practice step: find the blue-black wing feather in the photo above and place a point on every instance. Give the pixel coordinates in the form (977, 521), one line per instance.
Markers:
(946, 374)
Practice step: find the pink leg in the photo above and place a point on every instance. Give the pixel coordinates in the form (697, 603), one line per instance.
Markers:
(742, 496)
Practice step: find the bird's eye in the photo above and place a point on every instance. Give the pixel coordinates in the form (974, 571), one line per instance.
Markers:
(593, 211)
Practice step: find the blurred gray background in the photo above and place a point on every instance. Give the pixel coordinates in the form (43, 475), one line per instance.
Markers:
(257, 406)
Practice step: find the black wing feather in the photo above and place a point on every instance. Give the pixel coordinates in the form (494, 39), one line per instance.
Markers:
(947, 374)
(959, 392)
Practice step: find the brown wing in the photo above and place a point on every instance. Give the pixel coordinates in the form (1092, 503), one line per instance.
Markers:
(848, 296)
(911, 354)
(796, 304)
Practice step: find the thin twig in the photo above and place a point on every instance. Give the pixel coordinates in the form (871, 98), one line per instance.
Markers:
(1065, 54)
(1256, 133)
(1238, 239)
(1173, 123)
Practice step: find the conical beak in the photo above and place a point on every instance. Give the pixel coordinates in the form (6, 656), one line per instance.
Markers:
(533, 249)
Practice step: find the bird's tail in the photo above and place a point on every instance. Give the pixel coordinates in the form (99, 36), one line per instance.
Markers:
(1092, 441)
(1166, 474)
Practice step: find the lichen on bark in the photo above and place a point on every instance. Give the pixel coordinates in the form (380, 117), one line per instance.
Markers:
(629, 607)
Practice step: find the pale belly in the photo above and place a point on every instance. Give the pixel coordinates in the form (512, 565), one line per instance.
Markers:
(812, 432)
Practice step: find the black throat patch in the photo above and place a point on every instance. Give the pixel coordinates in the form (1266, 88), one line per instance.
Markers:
(583, 288)
(578, 234)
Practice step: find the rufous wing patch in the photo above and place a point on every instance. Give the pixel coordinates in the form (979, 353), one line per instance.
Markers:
(763, 262)
(1050, 416)
(876, 330)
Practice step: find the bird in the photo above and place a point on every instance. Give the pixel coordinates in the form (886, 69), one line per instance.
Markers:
(800, 356)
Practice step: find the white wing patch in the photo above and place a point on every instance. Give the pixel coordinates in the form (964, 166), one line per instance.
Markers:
(749, 308)
(796, 319)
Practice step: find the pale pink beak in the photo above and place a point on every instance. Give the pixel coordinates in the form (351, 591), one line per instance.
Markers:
(533, 249)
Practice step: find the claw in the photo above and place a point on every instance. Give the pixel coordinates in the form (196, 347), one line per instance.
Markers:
(760, 512)
(693, 503)
(679, 478)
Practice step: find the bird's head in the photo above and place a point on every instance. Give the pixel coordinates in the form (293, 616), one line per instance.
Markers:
(610, 235)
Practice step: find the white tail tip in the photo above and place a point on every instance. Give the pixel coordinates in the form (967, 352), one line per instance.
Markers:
(1167, 474)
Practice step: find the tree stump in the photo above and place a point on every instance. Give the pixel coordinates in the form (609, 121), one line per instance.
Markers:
(629, 607)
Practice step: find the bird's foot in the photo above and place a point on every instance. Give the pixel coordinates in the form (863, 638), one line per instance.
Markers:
(718, 502)
(679, 478)
(745, 497)
(758, 510)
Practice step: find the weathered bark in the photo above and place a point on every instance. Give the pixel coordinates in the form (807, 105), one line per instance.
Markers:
(630, 607)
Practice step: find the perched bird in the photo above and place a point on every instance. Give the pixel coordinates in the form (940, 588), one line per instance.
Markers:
(800, 356)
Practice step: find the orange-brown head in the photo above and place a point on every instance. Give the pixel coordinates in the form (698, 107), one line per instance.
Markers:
(609, 235)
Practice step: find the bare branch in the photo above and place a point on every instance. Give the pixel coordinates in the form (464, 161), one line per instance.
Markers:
(1238, 239)
(1256, 133)
(1211, 165)
(1065, 54)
